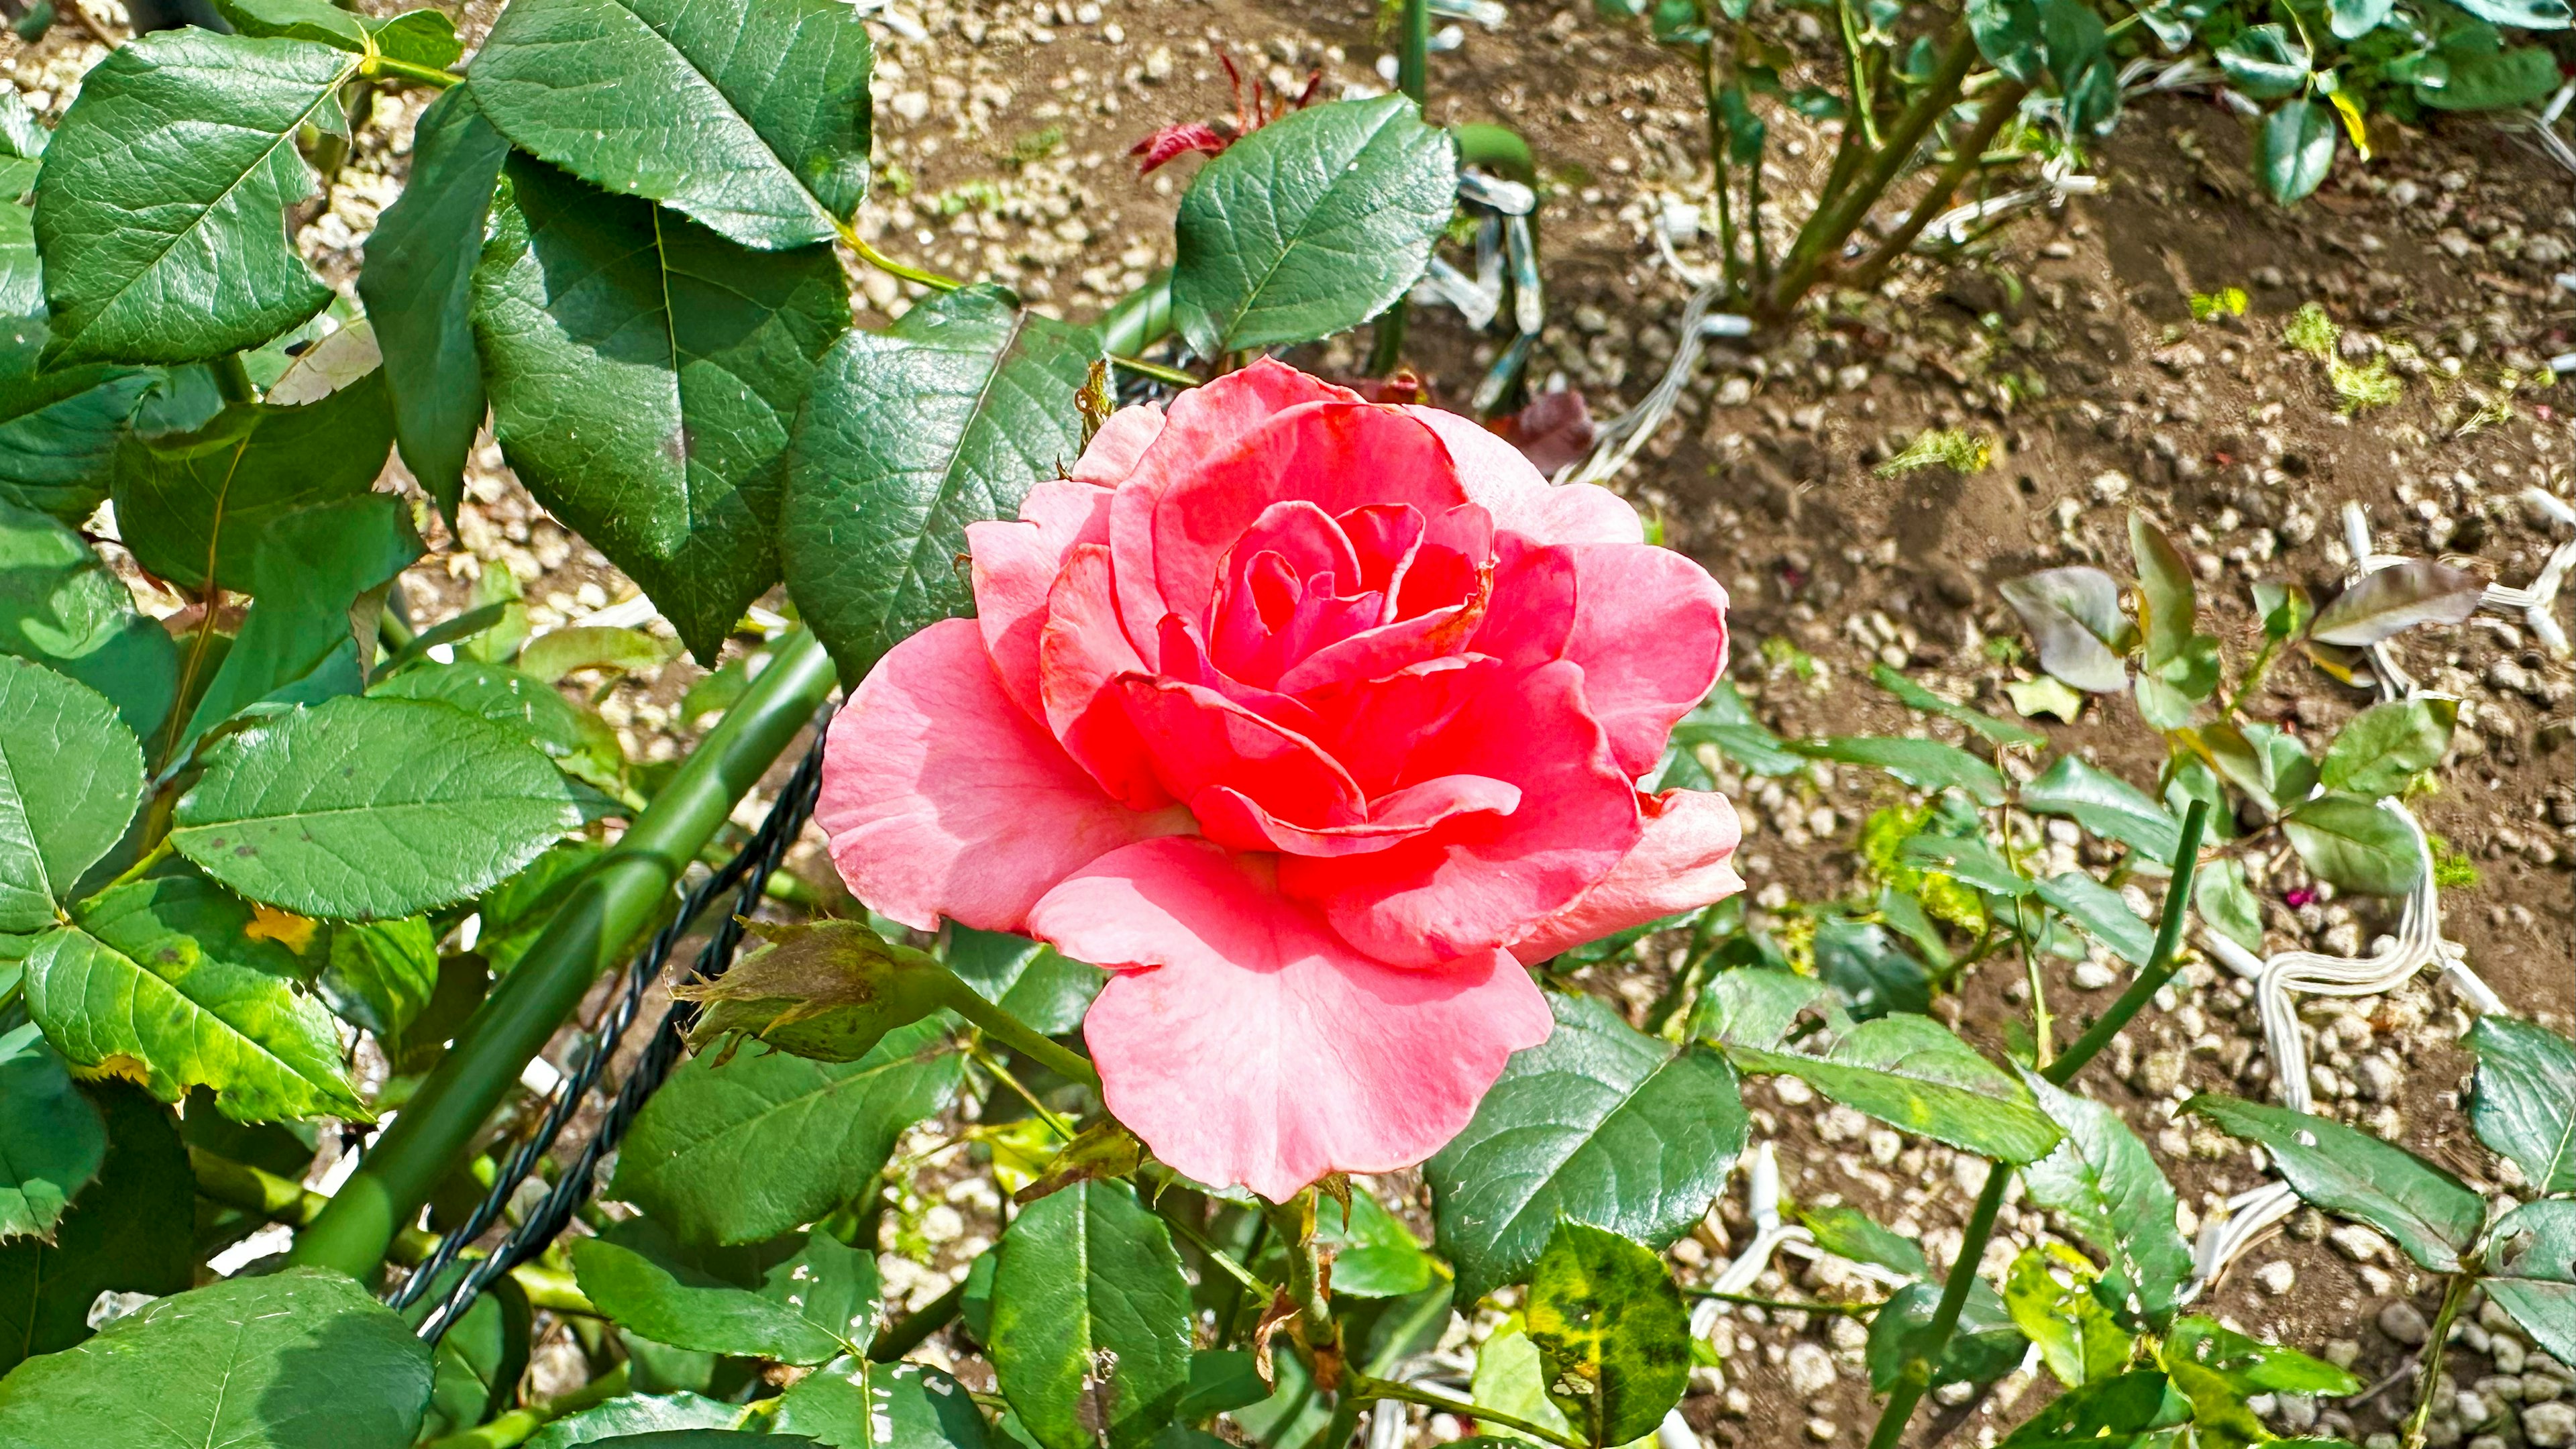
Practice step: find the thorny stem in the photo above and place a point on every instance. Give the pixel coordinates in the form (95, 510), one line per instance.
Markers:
(1786, 1305)
(2002, 105)
(1002, 1074)
(1916, 1376)
(883, 263)
(2453, 1297)
(1294, 1222)
(1155, 370)
(1364, 1387)
(2042, 1032)
(959, 997)
(386, 65)
(150, 858)
(1864, 96)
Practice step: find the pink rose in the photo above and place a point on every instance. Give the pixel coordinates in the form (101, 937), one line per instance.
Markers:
(1312, 719)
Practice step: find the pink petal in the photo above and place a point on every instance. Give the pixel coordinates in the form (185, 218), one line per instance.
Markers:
(1536, 591)
(1015, 564)
(1260, 1050)
(1119, 443)
(1497, 475)
(941, 799)
(1650, 633)
(1684, 860)
(1201, 423)
(1197, 738)
(1230, 817)
(1081, 649)
(1377, 728)
(1481, 881)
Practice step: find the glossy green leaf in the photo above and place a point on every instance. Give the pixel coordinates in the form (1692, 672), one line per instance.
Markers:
(184, 256)
(312, 624)
(2074, 616)
(851, 1403)
(644, 373)
(157, 981)
(669, 1421)
(2171, 600)
(1611, 1330)
(212, 494)
(1915, 696)
(2250, 1366)
(418, 284)
(2357, 845)
(476, 1367)
(2422, 1208)
(1984, 1347)
(59, 426)
(2353, 19)
(1847, 1232)
(70, 777)
(804, 1306)
(2113, 1195)
(742, 1151)
(422, 37)
(558, 652)
(2387, 745)
(2101, 912)
(1923, 764)
(300, 1359)
(2077, 1337)
(1912, 1073)
(2110, 1413)
(1725, 721)
(2285, 610)
(52, 1138)
(1091, 1319)
(367, 808)
(22, 276)
(2522, 1102)
(1970, 860)
(757, 125)
(2519, 76)
(1310, 225)
(1374, 1254)
(947, 418)
(131, 1231)
(2294, 150)
(576, 738)
(2266, 62)
(2226, 903)
(1870, 969)
(2389, 601)
(1044, 990)
(1756, 1007)
(1600, 1124)
(2532, 1273)
(1511, 1377)
(380, 975)
(2105, 805)
(62, 608)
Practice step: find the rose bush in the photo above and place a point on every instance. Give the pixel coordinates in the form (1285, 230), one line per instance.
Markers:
(1312, 718)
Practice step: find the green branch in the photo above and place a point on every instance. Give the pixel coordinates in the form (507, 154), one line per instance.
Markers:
(1364, 1387)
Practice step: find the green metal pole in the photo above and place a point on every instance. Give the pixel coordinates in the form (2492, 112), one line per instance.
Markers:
(628, 895)
(1413, 77)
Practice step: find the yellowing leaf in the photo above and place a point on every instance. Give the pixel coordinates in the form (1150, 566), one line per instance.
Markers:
(268, 923)
(2350, 109)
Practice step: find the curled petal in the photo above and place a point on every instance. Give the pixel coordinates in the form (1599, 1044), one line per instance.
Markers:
(1685, 859)
(1650, 633)
(1198, 738)
(940, 798)
(1233, 818)
(1500, 477)
(1247, 1044)
(1080, 651)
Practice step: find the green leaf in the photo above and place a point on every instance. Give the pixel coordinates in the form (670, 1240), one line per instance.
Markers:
(1510, 1377)
(743, 1150)
(418, 284)
(131, 1231)
(1046, 991)
(1723, 720)
(797, 1301)
(647, 1421)
(312, 626)
(2113, 1195)
(644, 374)
(1915, 696)
(947, 418)
(2294, 149)
(2285, 610)
(2532, 1273)
(2110, 1413)
(70, 775)
(161, 208)
(1091, 1319)
(2171, 602)
(22, 276)
(61, 607)
(1984, 1347)
(1755, 1007)
(2008, 36)
(1847, 1232)
(1374, 1256)
(2345, 1171)
(1869, 969)
(1911, 1073)
(2385, 746)
(558, 652)
(157, 981)
(2076, 1335)
(2522, 1103)
(52, 1139)
(212, 494)
(2250, 1366)
(423, 37)
(2074, 616)
(2389, 601)
(2515, 77)
(2101, 912)
(59, 426)
(1611, 1330)
(2266, 63)
(380, 974)
(758, 122)
(2356, 845)
(2106, 805)
(1968, 859)
(1600, 1124)
(1923, 764)
(300, 1359)
(575, 738)
(475, 1369)
(1310, 225)
(2227, 905)
(329, 812)
(851, 1403)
